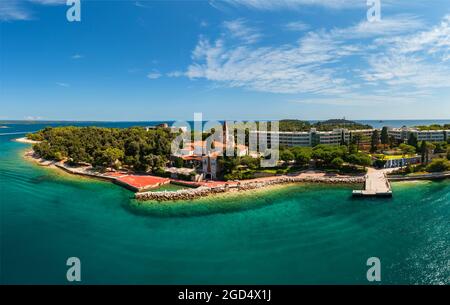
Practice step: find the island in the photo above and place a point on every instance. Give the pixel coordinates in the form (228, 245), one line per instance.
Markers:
(333, 151)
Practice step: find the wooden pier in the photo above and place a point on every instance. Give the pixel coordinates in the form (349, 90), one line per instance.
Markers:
(376, 185)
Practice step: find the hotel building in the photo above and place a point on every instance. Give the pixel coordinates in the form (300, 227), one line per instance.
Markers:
(344, 136)
(403, 134)
(313, 137)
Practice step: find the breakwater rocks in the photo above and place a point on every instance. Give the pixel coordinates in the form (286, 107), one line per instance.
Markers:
(430, 176)
(241, 186)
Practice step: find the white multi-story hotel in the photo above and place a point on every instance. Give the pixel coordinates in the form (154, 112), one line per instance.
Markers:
(285, 138)
(403, 134)
(344, 136)
(313, 137)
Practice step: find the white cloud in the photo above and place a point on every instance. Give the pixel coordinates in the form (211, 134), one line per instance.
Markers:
(142, 5)
(77, 56)
(154, 75)
(298, 4)
(414, 59)
(292, 4)
(175, 74)
(239, 29)
(63, 85)
(49, 2)
(317, 63)
(297, 26)
(397, 70)
(434, 41)
(388, 26)
(13, 10)
(285, 69)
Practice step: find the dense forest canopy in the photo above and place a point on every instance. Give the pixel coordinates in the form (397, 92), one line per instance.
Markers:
(294, 125)
(130, 147)
(340, 123)
(298, 125)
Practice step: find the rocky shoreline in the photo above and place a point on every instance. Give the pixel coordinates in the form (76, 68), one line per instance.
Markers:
(429, 176)
(216, 187)
(201, 191)
(226, 187)
(243, 186)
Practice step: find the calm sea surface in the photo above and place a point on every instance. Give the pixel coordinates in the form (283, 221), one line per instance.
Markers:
(303, 234)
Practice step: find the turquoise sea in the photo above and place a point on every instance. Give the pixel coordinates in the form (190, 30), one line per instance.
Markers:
(302, 234)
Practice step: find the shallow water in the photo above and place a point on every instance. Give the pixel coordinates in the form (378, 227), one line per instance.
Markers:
(301, 234)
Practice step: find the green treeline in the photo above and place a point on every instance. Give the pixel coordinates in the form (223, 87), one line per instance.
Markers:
(298, 125)
(339, 159)
(434, 127)
(134, 147)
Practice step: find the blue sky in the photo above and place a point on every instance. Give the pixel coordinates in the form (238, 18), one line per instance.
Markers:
(234, 59)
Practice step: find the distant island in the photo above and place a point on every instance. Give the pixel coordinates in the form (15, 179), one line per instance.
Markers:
(434, 127)
(329, 125)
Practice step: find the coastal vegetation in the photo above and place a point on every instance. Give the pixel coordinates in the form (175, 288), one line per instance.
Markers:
(330, 158)
(340, 123)
(342, 158)
(437, 165)
(434, 127)
(140, 150)
(434, 157)
(133, 148)
(298, 125)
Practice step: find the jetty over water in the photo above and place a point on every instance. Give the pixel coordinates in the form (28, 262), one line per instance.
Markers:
(376, 185)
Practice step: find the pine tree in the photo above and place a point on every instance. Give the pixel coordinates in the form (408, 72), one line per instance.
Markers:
(375, 140)
(384, 136)
(412, 140)
(423, 151)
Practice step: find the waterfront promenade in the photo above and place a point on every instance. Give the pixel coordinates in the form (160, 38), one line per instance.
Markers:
(376, 184)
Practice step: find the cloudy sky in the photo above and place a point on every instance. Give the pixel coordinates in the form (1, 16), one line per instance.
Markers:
(231, 59)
